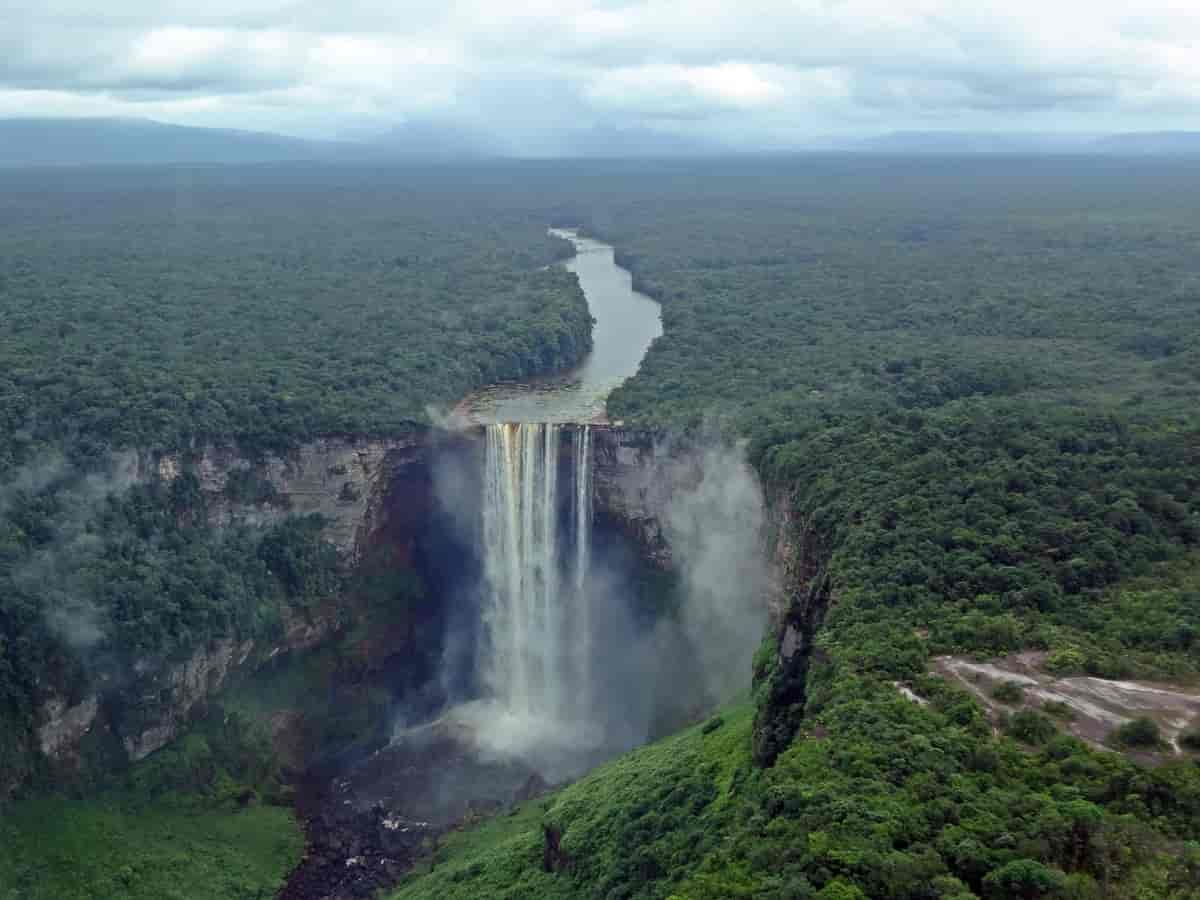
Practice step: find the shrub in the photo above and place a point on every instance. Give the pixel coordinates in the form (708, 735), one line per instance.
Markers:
(1139, 732)
(1023, 878)
(839, 889)
(1066, 660)
(1058, 710)
(1008, 692)
(1031, 727)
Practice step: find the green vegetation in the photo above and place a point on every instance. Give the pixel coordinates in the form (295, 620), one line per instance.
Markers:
(1031, 727)
(192, 821)
(1008, 692)
(1058, 710)
(169, 309)
(974, 386)
(263, 307)
(877, 797)
(1142, 628)
(1140, 733)
(97, 576)
(855, 283)
(59, 849)
(628, 823)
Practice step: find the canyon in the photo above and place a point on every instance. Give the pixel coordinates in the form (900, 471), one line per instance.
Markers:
(583, 587)
(378, 498)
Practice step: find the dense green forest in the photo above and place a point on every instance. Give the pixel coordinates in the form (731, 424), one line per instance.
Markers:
(973, 383)
(155, 308)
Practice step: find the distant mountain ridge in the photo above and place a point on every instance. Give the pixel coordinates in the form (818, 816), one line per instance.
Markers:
(966, 142)
(1153, 142)
(57, 142)
(113, 141)
(972, 143)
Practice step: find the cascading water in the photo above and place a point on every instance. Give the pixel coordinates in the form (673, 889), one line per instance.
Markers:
(536, 648)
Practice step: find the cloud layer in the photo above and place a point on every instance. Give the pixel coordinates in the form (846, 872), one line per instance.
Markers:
(762, 71)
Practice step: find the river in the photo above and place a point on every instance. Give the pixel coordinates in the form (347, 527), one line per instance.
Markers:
(626, 323)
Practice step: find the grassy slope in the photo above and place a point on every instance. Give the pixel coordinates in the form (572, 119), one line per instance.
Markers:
(61, 849)
(601, 817)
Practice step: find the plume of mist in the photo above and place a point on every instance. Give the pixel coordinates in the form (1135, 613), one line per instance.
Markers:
(457, 489)
(32, 479)
(57, 571)
(447, 420)
(714, 524)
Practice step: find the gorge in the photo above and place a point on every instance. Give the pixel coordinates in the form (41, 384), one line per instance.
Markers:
(570, 628)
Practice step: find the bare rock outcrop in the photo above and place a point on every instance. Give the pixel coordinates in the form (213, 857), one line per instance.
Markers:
(342, 479)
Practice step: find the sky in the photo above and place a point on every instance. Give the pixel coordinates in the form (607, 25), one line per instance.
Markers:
(764, 73)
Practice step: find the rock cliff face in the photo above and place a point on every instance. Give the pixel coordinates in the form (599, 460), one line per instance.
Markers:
(65, 726)
(638, 475)
(162, 700)
(634, 476)
(797, 607)
(368, 491)
(341, 479)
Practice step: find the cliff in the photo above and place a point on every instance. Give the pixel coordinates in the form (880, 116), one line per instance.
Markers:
(635, 476)
(367, 491)
(798, 603)
(381, 505)
(339, 478)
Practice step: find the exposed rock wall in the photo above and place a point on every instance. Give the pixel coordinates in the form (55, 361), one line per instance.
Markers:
(367, 490)
(633, 479)
(800, 555)
(342, 479)
(162, 700)
(65, 726)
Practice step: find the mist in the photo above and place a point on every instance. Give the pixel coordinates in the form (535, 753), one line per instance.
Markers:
(715, 528)
(58, 570)
(650, 671)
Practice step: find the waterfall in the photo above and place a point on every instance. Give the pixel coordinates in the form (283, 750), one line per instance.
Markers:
(583, 550)
(536, 648)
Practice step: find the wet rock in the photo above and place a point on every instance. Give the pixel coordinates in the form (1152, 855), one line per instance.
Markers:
(351, 852)
(64, 726)
(554, 858)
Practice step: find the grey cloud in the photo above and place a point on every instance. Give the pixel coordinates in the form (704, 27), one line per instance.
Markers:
(748, 68)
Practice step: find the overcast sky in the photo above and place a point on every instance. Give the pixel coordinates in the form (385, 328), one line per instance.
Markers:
(759, 71)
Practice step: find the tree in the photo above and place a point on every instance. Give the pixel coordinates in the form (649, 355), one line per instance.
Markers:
(1022, 879)
(1141, 732)
(840, 889)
